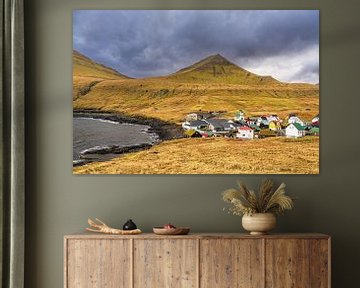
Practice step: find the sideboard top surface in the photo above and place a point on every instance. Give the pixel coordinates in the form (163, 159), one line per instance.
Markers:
(86, 235)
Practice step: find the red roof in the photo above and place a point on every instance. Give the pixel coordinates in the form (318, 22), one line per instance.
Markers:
(245, 128)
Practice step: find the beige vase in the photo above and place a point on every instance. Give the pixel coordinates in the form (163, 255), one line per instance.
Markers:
(259, 223)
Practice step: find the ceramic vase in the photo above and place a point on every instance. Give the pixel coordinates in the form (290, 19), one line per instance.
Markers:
(259, 223)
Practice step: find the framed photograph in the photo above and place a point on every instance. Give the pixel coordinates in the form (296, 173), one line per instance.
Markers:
(196, 92)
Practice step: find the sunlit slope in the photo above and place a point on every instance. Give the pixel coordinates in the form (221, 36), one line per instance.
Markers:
(171, 101)
(217, 156)
(85, 67)
(217, 69)
(201, 87)
(87, 73)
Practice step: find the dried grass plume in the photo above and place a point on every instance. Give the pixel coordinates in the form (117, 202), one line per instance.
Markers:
(267, 200)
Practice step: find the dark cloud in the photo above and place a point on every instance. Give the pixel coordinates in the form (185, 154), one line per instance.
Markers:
(149, 43)
(307, 72)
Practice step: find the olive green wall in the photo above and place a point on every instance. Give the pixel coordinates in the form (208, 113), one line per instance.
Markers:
(59, 203)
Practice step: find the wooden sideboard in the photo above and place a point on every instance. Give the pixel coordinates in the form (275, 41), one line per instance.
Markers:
(197, 260)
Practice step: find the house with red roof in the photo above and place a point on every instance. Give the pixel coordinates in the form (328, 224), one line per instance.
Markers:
(316, 121)
(245, 132)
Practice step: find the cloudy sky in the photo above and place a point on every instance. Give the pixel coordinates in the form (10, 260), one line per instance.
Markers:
(283, 44)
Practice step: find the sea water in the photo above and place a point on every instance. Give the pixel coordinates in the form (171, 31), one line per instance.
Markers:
(96, 134)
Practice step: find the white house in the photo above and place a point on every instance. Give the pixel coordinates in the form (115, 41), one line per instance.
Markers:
(191, 117)
(315, 121)
(199, 116)
(273, 118)
(245, 132)
(194, 125)
(295, 130)
(295, 119)
(239, 116)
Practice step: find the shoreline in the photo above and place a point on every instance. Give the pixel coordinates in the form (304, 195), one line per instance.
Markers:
(164, 131)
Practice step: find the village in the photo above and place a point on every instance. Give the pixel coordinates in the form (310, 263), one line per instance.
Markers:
(208, 124)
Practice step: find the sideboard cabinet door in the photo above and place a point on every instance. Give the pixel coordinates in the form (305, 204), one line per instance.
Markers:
(165, 263)
(297, 263)
(320, 263)
(98, 263)
(231, 263)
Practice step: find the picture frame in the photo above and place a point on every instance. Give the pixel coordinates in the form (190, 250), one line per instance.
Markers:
(149, 97)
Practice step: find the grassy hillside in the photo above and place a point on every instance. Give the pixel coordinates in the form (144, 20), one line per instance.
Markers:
(87, 73)
(212, 84)
(217, 69)
(217, 156)
(85, 67)
(171, 101)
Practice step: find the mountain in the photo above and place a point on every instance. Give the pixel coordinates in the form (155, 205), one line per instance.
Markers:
(85, 67)
(212, 84)
(87, 73)
(218, 69)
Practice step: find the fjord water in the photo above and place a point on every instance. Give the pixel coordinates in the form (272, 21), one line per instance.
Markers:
(89, 133)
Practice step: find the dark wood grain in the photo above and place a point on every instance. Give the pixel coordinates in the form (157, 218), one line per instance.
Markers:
(319, 263)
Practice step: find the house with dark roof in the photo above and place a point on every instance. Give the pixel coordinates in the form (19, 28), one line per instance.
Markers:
(195, 125)
(262, 121)
(192, 133)
(221, 126)
(251, 120)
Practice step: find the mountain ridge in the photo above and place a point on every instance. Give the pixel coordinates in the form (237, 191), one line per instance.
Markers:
(194, 88)
(84, 66)
(216, 68)
(209, 60)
